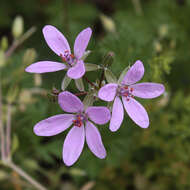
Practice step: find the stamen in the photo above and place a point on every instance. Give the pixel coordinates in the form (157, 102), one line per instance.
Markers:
(80, 119)
(72, 56)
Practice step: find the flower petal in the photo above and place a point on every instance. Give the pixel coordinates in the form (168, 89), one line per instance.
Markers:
(94, 141)
(134, 74)
(45, 67)
(117, 115)
(81, 42)
(147, 90)
(69, 102)
(55, 40)
(136, 112)
(77, 71)
(73, 145)
(108, 92)
(98, 114)
(53, 125)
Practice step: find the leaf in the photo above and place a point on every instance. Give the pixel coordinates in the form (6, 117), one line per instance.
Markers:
(123, 73)
(65, 82)
(79, 84)
(91, 67)
(110, 77)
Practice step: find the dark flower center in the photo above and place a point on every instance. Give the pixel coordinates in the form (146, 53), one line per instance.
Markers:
(125, 91)
(79, 120)
(68, 58)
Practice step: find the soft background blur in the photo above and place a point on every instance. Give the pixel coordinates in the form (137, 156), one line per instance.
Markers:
(154, 31)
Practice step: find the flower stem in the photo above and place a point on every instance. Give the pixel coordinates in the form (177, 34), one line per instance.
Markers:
(18, 42)
(25, 176)
(2, 129)
(8, 130)
(81, 93)
(101, 78)
(90, 82)
(137, 6)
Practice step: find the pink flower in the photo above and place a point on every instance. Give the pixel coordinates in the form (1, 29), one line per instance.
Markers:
(58, 43)
(83, 128)
(127, 90)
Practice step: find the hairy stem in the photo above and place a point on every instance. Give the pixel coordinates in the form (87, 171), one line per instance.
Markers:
(81, 93)
(137, 6)
(90, 82)
(8, 130)
(2, 129)
(101, 78)
(18, 42)
(26, 176)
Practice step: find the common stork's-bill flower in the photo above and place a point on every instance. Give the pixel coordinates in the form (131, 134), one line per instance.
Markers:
(127, 90)
(58, 43)
(82, 129)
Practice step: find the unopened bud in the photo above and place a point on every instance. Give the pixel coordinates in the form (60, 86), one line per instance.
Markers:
(12, 94)
(108, 23)
(37, 80)
(2, 58)
(29, 56)
(108, 59)
(157, 46)
(4, 43)
(18, 27)
(163, 30)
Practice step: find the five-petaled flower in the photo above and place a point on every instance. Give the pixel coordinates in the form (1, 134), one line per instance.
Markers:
(83, 127)
(127, 90)
(58, 43)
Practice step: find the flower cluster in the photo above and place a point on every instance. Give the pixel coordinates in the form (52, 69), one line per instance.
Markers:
(81, 116)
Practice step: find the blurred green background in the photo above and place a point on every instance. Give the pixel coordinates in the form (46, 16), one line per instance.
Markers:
(154, 31)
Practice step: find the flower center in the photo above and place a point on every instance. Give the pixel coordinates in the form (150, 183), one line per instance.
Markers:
(79, 120)
(68, 58)
(125, 91)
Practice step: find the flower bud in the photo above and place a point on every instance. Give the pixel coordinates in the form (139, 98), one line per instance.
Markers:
(163, 30)
(29, 56)
(18, 27)
(108, 23)
(2, 58)
(157, 46)
(37, 80)
(4, 43)
(12, 94)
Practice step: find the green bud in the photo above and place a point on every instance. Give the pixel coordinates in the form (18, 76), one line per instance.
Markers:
(12, 94)
(15, 144)
(108, 59)
(18, 27)
(2, 58)
(163, 30)
(108, 23)
(4, 43)
(37, 80)
(29, 56)
(157, 46)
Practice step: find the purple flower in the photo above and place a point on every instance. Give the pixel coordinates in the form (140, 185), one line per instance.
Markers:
(127, 90)
(58, 43)
(82, 127)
